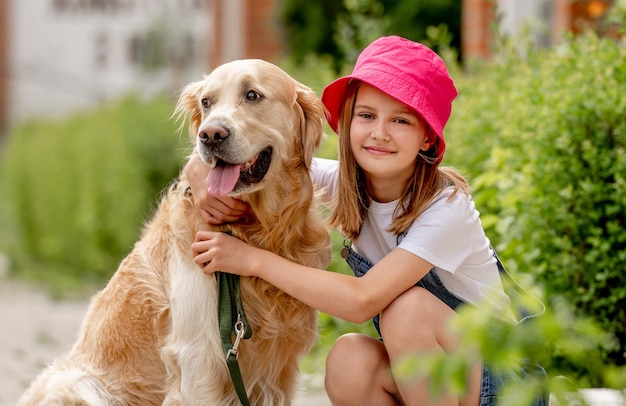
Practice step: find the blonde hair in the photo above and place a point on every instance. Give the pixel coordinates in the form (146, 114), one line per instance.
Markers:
(352, 201)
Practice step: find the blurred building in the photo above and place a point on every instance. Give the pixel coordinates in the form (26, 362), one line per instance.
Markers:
(4, 66)
(244, 29)
(57, 56)
(544, 21)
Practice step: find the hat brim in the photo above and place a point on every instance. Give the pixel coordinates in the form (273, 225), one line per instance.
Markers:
(333, 98)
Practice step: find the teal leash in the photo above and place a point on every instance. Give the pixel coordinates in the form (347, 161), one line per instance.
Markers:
(232, 321)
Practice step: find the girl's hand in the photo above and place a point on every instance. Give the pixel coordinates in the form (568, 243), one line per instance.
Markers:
(217, 251)
(214, 210)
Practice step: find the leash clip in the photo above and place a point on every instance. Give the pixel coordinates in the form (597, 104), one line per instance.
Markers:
(240, 330)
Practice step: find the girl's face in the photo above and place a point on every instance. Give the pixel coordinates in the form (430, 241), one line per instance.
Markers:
(386, 136)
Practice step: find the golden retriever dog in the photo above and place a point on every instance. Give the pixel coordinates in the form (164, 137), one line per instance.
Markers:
(151, 336)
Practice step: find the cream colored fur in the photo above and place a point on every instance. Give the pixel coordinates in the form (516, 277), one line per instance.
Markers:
(151, 336)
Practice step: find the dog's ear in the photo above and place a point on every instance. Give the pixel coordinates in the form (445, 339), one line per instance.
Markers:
(188, 107)
(311, 115)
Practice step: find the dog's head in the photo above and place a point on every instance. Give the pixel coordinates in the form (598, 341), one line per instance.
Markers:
(248, 119)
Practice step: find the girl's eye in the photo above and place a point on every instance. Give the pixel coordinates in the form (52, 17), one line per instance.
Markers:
(253, 95)
(402, 121)
(366, 115)
(205, 103)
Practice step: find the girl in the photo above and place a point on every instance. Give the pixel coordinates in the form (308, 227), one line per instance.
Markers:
(418, 247)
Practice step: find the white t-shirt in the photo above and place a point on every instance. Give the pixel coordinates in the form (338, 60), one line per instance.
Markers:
(448, 234)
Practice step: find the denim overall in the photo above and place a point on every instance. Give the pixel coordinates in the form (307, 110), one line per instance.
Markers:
(491, 382)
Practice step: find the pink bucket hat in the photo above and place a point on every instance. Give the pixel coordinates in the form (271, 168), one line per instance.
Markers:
(407, 71)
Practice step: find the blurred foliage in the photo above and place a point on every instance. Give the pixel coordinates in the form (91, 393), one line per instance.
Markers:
(340, 29)
(309, 27)
(611, 24)
(79, 188)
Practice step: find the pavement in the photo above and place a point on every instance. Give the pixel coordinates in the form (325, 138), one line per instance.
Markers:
(34, 330)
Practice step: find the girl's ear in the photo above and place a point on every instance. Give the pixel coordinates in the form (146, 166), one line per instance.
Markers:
(430, 144)
(429, 140)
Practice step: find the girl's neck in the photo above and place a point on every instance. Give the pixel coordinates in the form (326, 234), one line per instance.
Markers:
(385, 190)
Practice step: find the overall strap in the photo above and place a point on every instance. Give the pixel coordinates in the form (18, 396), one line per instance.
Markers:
(520, 290)
(232, 320)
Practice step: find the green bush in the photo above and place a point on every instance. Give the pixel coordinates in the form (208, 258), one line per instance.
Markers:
(79, 189)
(543, 136)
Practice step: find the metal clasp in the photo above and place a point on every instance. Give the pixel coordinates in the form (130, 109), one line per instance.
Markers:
(345, 251)
(240, 330)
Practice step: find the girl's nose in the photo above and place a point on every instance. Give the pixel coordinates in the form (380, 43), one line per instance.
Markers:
(379, 132)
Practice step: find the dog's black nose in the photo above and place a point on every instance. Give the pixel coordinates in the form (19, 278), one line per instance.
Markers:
(210, 134)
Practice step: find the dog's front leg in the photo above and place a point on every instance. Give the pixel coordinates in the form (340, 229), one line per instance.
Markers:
(192, 352)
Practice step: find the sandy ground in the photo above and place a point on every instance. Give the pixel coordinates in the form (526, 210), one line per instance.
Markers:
(34, 330)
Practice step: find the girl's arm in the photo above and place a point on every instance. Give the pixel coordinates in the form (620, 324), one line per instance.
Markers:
(347, 297)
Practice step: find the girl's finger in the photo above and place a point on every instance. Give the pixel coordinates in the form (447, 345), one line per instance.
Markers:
(205, 236)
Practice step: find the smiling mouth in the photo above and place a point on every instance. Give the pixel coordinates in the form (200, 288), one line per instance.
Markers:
(377, 150)
(227, 177)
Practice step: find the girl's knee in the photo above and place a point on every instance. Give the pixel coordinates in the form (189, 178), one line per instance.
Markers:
(352, 364)
(344, 354)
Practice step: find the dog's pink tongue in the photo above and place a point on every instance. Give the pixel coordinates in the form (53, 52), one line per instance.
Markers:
(222, 179)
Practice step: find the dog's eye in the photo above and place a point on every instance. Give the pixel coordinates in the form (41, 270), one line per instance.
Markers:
(205, 103)
(253, 95)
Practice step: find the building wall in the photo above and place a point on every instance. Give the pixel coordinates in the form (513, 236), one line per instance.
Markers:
(245, 29)
(4, 66)
(264, 40)
(534, 16)
(476, 35)
(227, 22)
(70, 54)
